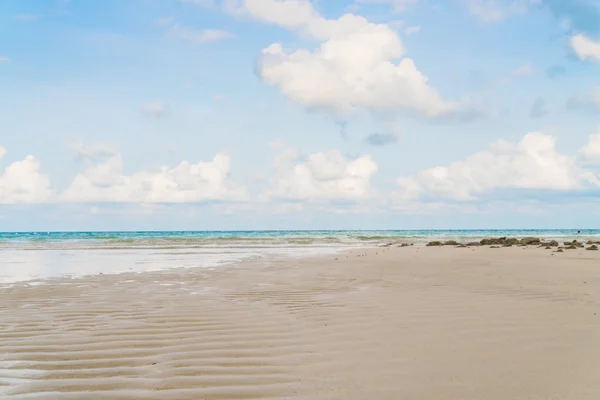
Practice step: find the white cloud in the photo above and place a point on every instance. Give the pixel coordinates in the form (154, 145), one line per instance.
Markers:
(320, 176)
(104, 180)
(497, 10)
(22, 182)
(585, 48)
(198, 36)
(412, 29)
(4, 59)
(357, 66)
(156, 109)
(532, 163)
(591, 150)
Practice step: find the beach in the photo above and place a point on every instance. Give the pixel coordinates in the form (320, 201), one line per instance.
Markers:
(385, 322)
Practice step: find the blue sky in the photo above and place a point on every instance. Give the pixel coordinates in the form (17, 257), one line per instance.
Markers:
(282, 114)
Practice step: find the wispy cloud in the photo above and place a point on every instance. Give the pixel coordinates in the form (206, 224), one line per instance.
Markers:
(93, 152)
(165, 21)
(198, 36)
(4, 59)
(412, 29)
(398, 5)
(201, 3)
(158, 109)
(523, 70)
(497, 10)
(26, 17)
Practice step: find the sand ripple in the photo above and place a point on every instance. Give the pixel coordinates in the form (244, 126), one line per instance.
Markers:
(75, 342)
(397, 323)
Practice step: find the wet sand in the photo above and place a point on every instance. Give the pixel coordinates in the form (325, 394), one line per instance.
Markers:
(386, 323)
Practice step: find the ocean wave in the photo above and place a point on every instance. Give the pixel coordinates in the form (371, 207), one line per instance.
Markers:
(259, 239)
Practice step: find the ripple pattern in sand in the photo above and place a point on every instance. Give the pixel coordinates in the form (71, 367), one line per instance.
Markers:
(187, 342)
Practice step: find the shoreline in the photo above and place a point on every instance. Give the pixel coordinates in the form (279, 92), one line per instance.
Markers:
(412, 322)
(224, 258)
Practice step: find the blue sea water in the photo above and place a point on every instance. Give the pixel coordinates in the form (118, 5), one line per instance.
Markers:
(26, 256)
(262, 238)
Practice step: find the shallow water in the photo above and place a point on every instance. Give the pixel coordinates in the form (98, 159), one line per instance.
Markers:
(24, 265)
(39, 255)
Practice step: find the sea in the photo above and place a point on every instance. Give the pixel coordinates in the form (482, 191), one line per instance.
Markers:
(37, 256)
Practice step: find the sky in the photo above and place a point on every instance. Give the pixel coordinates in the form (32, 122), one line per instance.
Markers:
(299, 114)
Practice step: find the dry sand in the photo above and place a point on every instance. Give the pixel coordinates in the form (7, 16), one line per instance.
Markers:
(396, 323)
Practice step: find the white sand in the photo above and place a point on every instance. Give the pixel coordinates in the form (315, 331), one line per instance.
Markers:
(397, 323)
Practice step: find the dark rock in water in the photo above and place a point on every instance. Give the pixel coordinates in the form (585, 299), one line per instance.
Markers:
(451, 243)
(473, 244)
(592, 247)
(435, 243)
(511, 241)
(530, 241)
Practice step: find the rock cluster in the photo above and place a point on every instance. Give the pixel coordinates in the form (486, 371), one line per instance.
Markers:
(530, 241)
(574, 245)
(526, 241)
(503, 241)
